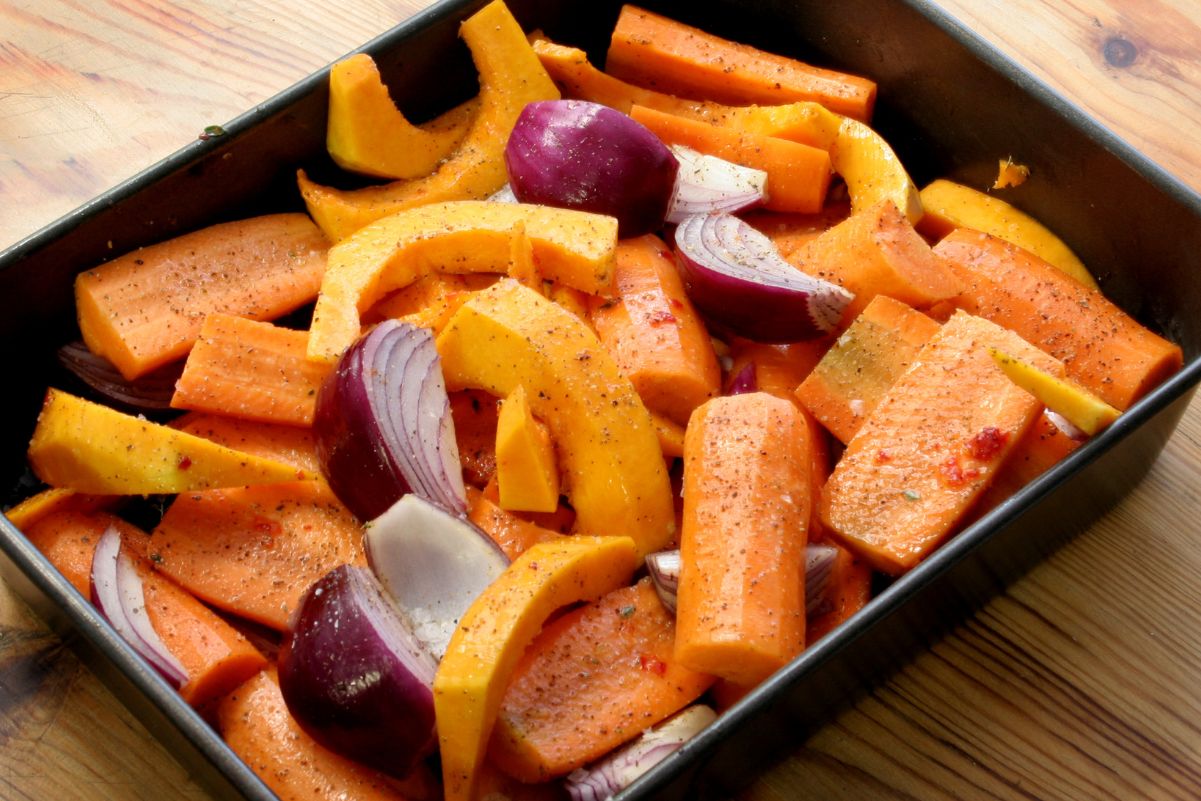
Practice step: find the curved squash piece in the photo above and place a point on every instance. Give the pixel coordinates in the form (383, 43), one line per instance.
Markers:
(872, 170)
(483, 652)
(87, 447)
(949, 205)
(575, 248)
(510, 77)
(367, 133)
(508, 336)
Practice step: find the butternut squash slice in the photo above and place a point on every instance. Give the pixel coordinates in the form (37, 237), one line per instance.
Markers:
(484, 650)
(526, 472)
(367, 133)
(510, 77)
(464, 236)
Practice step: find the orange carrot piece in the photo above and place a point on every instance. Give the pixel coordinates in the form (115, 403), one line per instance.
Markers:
(741, 602)
(253, 551)
(593, 679)
(654, 334)
(430, 301)
(661, 53)
(1041, 449)
(931, 446)
(514, 535)
(475, 415)
(1101, 346)
(853, 376)
(559, 521)
(145, 308)
(288, 444)
(877, 252)
(778, 368)
(849, 591)
(255, 723)
(791, 232)
(253, 370)
(55, 499)
(797, 175)
(215, 656)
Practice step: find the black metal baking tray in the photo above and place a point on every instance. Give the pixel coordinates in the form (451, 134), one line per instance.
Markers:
(949, 104)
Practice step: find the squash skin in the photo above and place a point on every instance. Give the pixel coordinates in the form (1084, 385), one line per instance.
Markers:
(510, 77)
(509, 335)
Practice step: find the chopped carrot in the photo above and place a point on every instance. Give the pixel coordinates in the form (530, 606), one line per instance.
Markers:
(514, 535)
(253, 370)
(797, 175)
(475, 415)
(741, 601)
(145, 308)
(877, 252)
(430, 301)
(1041, 449)
(654, 334)
(214, 655)
(672, 57)
(594, 678)
(1101, 346)
(931, 446)
(778, 368)
(853, 376)
(255, 723)
(253, 551)
(287, 444)
(790, 232)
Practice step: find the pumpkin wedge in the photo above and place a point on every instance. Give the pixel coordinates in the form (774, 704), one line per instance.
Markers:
(367, 133)
(91, 448)
(526, 472)
(483, 652)
(510, 77)
(508, 336)
(573, 247)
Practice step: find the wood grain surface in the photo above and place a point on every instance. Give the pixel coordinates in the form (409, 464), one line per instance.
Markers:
(1080, 682)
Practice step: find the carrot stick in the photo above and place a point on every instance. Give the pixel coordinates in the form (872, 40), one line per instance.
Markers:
(145, 308)
(931, 446)
(669, 56)
(593, 679)
(287, 444)
(215, 656)
(741, 602)
(790, 232)
(1041, 449)
(654, 334)
(253, 551)
(778, 368)
(1102, 347)
(514, 535)
(797, 175)
(255, 723)
(858, 370)
(475, 415)
(253, 370)
(877, 252)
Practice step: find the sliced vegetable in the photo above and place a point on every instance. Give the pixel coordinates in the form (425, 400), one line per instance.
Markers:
(87, 447)
(664, 569)
(1081, 408)
(117, 593)
(580, 155)
(819, 565)
(384, 427)
(708, 184)
(527, 473)
(355, 678)
(846, 588)
(432, 564)
(735, 276)
(150, 392)
(616, 772)
(512, 534)
(491, 637)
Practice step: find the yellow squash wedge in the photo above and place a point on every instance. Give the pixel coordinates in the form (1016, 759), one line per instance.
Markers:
(510, 77)
(949, 205)
(87, 447)
(367, 133)
(508, 336)
(527, 475)
(1076, 404)
(464, 236)
(495, 630)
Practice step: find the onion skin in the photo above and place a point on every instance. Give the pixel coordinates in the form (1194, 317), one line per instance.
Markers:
(735, 277)
(581, 155)
(354, 679)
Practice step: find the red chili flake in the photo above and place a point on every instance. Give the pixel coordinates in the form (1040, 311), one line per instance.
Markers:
(184, 462)
(661, 317)
(883, 456)
(652, 664)
(952, 472)
(988, 443)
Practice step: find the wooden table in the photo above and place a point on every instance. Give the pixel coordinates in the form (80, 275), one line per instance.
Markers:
(1080, 682)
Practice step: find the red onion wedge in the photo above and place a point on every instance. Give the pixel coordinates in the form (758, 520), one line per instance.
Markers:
(664, 569)
(1065, 426)
(150, 393)
(619, 769)
(117, 593)
(819, 567)
(735, 276)
(744, 381)
(503, 195)
(355, 678)
(708, 184)
(580, 155)
(383, 424)
(432, 564)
